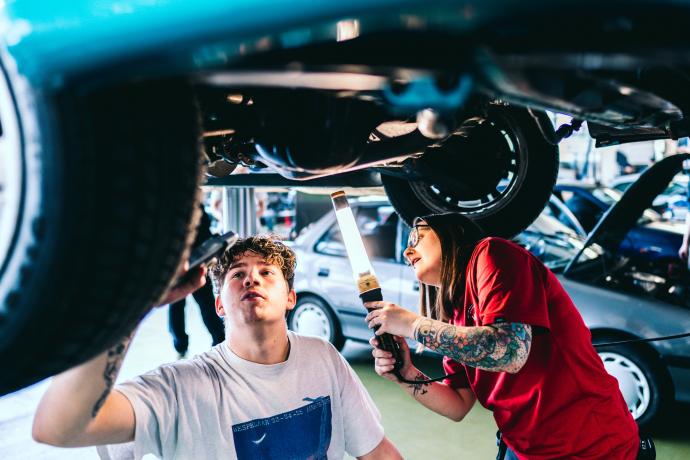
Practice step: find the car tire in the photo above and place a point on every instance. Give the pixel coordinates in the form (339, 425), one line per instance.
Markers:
(103, 205)
(644, 382)
(526, 158)
(312, 316)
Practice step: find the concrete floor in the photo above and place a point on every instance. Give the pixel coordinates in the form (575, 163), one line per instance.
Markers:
(417, 432)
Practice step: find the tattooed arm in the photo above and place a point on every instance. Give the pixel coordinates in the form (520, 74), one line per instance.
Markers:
(502, 347)
(79, 408)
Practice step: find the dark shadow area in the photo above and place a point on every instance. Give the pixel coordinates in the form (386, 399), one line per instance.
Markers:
(673, 426)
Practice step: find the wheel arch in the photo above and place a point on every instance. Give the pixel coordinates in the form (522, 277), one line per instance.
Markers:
(309, 293)
(613, 335)
(339, 338)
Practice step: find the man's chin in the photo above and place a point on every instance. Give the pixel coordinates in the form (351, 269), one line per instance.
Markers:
(260, 315)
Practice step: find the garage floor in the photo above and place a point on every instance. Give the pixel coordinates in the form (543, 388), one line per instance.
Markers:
(417, 432)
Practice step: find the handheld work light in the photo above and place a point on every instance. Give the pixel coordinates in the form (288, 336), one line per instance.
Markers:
(363, 272)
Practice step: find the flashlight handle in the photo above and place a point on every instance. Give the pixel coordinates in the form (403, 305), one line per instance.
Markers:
(386, 341)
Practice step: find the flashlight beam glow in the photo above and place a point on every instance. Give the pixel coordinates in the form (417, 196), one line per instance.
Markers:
(359, 260)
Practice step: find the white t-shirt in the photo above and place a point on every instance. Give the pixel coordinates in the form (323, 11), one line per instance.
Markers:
(218, 405)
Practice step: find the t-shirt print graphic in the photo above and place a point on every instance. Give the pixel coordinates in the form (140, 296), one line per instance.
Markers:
(299, 434)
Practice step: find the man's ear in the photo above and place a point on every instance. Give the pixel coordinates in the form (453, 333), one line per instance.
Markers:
(291, 300)
(220, 311)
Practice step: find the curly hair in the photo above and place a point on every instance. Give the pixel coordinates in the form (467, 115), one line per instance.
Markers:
(273, 251)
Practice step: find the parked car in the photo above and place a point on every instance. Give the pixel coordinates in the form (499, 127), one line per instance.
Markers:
(656, 291)
(653, 238)
(110, 110)
(650, 376)
(328, 303)
(672, 203)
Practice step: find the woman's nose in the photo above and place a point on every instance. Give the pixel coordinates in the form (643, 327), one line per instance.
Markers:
(408, 253)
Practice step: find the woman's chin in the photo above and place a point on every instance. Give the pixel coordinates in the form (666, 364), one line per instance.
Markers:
(427, 277)
(421, 274)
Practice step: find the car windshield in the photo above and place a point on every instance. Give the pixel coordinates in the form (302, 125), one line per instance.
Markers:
(678, 186)
(612, 196)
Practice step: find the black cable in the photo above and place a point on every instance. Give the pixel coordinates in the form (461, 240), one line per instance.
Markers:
(654, 339)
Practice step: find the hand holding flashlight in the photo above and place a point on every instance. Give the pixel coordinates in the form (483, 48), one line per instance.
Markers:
(384, 362)
(391, 318)
(362, 270)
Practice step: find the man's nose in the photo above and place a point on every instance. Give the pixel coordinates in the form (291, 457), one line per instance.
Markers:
(252, 278)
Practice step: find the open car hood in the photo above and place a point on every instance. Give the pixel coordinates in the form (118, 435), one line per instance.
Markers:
(623, 216)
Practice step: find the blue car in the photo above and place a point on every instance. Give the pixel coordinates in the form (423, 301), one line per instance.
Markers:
(653, 238)
(113, 113)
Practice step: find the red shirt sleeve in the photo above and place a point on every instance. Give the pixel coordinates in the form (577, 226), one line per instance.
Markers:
(459, 377)
(510, 285)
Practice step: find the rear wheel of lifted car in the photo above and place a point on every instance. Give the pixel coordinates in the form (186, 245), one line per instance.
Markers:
(644, 382)
(498, 169)
(102, 200)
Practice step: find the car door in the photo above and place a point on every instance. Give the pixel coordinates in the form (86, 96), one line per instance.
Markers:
(334, 279)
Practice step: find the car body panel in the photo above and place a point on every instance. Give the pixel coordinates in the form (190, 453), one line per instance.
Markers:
(654, 242)
(634, 317)
(52, 41)
(66, 38)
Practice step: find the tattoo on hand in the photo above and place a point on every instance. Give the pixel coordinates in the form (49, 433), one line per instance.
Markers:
(502, 347)
(112, 366)
(419, 388)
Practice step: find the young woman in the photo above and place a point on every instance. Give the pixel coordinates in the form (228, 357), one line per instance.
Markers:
(512, 339)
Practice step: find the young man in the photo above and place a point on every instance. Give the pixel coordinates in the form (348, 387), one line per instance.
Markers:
(264, 393)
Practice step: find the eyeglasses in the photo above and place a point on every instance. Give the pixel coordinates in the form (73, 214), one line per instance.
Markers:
(413, 238)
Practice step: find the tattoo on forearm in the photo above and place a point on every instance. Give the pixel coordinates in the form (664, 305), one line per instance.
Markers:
(500, 347)
(114, 359)
(419, 388)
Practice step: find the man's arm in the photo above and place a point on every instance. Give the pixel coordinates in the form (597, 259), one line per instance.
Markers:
(502, 347)
(79, 408)
(384, 451)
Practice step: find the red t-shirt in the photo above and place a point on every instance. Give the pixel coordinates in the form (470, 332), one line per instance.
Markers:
(562, 403)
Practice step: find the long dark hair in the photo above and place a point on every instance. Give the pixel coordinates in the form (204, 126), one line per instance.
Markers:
(458, 236)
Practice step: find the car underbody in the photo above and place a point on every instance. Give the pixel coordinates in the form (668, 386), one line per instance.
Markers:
(444, 105)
